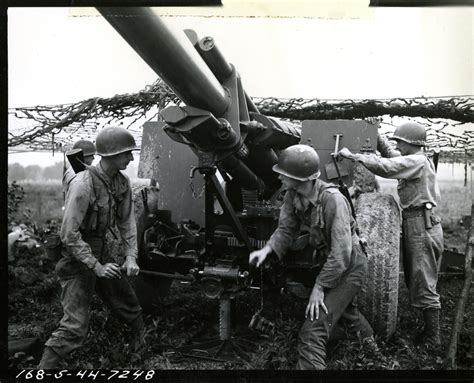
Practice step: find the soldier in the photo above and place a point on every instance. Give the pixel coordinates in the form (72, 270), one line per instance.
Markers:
(88, 150)
(421, 231)
(318, 206)
(98, 199)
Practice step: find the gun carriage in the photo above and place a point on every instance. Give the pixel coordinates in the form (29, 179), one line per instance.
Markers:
(218, 198)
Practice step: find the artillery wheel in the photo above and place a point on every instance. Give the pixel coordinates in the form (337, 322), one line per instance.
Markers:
(150, 290)
(378, 218)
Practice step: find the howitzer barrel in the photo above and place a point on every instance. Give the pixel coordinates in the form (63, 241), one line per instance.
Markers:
(174, 59)
(214, 59)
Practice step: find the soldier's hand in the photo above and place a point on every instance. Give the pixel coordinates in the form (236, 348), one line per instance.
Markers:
(257, 257)
(109, 270)
(130, 266)
(345, 153)
(315, 300)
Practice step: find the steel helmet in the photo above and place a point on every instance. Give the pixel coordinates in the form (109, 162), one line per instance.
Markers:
(88, 147)
(300, 162)
(111, 141)
(411, 132)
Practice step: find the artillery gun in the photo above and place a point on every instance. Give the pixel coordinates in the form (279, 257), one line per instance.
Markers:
(219, 199)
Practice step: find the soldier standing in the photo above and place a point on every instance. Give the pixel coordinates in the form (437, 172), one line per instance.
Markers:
(98, 199)
(312, 203)
(421, 232)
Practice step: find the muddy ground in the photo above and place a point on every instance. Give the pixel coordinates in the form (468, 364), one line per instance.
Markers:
(186, 315)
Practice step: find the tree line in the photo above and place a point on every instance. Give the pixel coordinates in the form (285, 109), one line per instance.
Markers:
(18, 172)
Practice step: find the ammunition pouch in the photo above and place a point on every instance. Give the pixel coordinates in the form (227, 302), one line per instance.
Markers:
(95, 222)
(89, 224)
(99, 218)
(102, 218)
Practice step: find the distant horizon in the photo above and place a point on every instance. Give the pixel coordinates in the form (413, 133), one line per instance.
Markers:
(446, 171)
(24, 161)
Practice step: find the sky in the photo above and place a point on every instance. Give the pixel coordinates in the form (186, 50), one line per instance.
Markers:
(63, 55)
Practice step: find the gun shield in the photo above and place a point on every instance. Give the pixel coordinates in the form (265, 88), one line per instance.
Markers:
(344, 169)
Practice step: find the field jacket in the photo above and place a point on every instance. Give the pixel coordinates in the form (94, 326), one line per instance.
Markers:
(92, 207)
(415, 173)
(326, 215)
(68, 176)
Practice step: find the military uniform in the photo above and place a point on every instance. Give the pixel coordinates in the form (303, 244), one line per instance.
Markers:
(92, 207)
(326, 215)
(422, 244)
(68, 176)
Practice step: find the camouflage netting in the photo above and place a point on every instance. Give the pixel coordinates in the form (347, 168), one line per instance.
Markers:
(56, 127)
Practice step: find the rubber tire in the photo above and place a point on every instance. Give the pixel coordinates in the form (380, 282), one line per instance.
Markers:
(150, 290)
(378, 217)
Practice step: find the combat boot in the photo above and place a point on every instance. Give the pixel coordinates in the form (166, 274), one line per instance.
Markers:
(49, 360)
(138, 334)
(430, 334)
(365, 334)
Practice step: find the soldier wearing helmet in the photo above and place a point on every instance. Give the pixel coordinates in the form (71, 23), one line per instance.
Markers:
(313, 205)
(88, 151)
(99, 199)
(421, 231)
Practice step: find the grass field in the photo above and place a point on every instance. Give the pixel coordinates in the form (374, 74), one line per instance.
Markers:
(45, 200)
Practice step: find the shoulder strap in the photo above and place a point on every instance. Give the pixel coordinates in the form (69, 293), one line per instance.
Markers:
(324, 189)
(95, 175)
(90, 221)
(319, 209)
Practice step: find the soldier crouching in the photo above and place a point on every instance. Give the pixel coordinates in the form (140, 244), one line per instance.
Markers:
(319, 206)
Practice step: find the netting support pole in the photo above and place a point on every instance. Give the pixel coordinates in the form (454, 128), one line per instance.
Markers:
(450, 361)
(465, 167)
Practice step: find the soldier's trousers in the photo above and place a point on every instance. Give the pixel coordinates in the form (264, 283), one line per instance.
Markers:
(422, 248)
(78, 285)
(339, 301)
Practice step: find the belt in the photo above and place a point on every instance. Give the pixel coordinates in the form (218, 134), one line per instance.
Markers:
(415, 212)
(412, 213)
